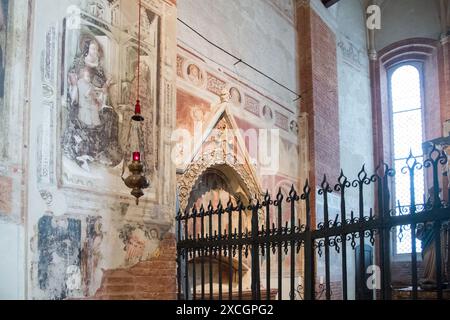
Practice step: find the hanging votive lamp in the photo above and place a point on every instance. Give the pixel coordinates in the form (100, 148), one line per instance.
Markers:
(134, 155)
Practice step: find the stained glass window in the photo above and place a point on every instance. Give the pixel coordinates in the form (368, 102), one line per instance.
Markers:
(407, 134)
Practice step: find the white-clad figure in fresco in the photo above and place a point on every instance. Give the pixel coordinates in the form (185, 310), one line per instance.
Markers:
(88, 101)
(93, 126)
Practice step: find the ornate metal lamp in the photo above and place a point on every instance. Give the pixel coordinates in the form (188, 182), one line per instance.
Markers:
(134, 156)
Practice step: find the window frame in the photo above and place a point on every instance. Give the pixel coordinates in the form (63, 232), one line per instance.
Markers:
(420, 66)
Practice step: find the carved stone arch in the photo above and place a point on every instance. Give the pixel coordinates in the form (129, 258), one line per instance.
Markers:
(213, 179)
(187, 181)
(221, 148)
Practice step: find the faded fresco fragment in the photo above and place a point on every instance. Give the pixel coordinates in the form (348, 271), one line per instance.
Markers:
(6, 189)
(4, 4)
(4, 18)
(69, 255)
(91, 254)
(135, 238)
(59, 266)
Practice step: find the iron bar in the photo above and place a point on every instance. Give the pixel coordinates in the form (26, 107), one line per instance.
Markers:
(293, 197)
(267, 203)
(324, 191)
(186, 252)
(202, 237)
(340, 187)
(437, 237)
(210, 235)
(411, 166)
(179, 256)
(219, 244)
(230, 250)
(255, 253)
(309, 277)
(279, 249)
(240, 246)
(194, 235)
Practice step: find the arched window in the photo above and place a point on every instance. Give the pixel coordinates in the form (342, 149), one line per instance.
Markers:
(406, 99)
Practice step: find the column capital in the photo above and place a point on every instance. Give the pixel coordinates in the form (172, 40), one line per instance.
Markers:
(373, 55)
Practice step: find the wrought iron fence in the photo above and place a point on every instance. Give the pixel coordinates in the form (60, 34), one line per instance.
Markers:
(216, 243)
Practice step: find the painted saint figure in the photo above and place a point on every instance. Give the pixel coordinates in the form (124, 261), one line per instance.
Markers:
(195, 75)
(235, 96)
(93, 125)
(267, 113)
(88, 101)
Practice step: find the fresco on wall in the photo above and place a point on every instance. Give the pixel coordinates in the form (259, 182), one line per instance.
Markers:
(251, 111)
(268, 114)
(93, 131)
(90, 253)
(293, 127)
(191, 111)
(235, 96)
(286, 7)
(135, 238)
(69, 255)
(86, 87)
(195, 75)
(59, 265)
(100, 74)
(3, 41)
(6, 189)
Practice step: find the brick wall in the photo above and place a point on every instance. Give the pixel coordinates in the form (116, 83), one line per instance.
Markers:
(319, 85)
(154, 279)
(401, 273)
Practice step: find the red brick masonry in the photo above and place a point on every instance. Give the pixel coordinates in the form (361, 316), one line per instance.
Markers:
(154, 279)
(319, 85)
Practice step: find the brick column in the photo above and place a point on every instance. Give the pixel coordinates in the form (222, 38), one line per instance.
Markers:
(319, 85)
